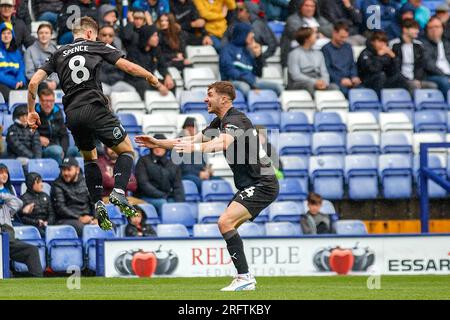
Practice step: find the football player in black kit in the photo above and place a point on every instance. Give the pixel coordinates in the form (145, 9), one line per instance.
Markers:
(88, 114)
(233, 133)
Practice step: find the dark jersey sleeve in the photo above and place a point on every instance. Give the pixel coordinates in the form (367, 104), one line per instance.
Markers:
(49, 65)
(235, 125)
(213, 130)
(108, 52)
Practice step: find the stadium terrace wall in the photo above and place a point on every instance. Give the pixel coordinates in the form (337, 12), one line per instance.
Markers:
(314, 255)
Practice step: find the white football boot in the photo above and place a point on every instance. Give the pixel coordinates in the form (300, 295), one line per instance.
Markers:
(241, 282)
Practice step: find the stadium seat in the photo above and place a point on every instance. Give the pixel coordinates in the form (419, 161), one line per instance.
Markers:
(209, 212)
(297, 100)
(429, 99)
(240, 103)
(155, 102)
(30, 235)
(159, 123)
(396, 142)
(129, 122)
(150, 211)
(220, 166)
(262, 100)
(350, 227)
(361, 173)
(428, 137)
(363, 142)
(272, 73)
(329, 121)
(363, 100)
(430, 121)
(396, 99)
(216, 190)
(291, 189)
(199, 77)
(437, 163)
(16, 174)
(295, 122)
(395, 121)
(330, 100)
(251, 229)
(202, 54)
(116, 217)
(277, 27)
(16, 98)
(174, 213)
(327, 176)
(3, 106)
(191, 191)
(285, 211)
(47, 168)
(90, 234)
(296, 167)
(192, 101)
(81, 161)
(282, 229)
(328, 143)
(294, 143)
(64, 248)
(264, 118)
(362, 121)
(263, 216)
(208, 230)
(172, 231)
(395, 171)
(127, 102)
(7, 122)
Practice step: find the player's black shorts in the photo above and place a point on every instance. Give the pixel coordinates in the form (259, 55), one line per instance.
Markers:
(261, 195)
(95, 121)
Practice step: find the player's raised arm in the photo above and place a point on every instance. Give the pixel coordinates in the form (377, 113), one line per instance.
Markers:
(150, 142)
(33, 117)
(137, 71)
(221, 143)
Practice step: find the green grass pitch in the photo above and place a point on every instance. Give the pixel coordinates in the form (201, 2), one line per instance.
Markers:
(285, 288)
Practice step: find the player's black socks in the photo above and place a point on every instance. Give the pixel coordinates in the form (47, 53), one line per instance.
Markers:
(122, 170)
(94, 180)
(235, 247)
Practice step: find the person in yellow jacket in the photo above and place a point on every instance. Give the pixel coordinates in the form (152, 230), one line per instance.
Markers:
(214, 12)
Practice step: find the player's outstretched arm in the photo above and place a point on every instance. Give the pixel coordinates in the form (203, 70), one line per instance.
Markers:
(221, 143)
(33, 117)
(137, 71)
(150, 142)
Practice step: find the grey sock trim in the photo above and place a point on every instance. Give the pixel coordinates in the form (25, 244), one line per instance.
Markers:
(229, 234)
(128, 154)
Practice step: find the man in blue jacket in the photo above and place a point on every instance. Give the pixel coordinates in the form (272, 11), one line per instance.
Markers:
(241, 61)
(12, 67)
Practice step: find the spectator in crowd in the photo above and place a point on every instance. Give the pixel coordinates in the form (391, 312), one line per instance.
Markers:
(241, 61)
(394, 30)
(187, 16)
(130, 33)
(37, 208)
(155, 8)
(250, 12)
(109, 16)
(442, 12)
(345, 11)
(172, 42)
(315, 222)
(159, 179)
(215, 14)
(39, 52)
(275, 9)
(23, 143)
(422, 14)
(388, 13)
(70, 197)
(409, 55)
(12, 67)
(10, 204)
(137, 227)
(112, 78)
(306, 66)
(338, 54)
(21, 33)
(48, 10)
(149, 56)
(377, 65)
(22, 12)
(65, 19)
(437, 55)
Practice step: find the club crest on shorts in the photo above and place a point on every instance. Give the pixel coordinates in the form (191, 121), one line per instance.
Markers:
(117, 133)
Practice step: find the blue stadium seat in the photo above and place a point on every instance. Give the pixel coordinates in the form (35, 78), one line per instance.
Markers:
(395, 171)
(296, 167)
(240, 103)
(282, 229)
(216, 190)
(191, 191)
(430, 121)
(174, 213)
(30, 235)
(116, 217)
(264, 118)
(295, 122)
(291, 189)
(327, 176)
(209, 212)
(80, 162)
(429, 99)
(47, 168)
(251, 229)
(294, 143)
(129, 122)
(361, 173)
(363, 100)
(363, 142)
(64, 248)
(396, 99)
(7, 122)
(285, 211)
(328, 143)
(329, 121)
(192, 101)
(90, 234)
(208, 230)
(263, 100)
(437, 163)
(263, 216)
(396, 142)
(15, 169)
(350, 227)
(172, 231)
(277, 27)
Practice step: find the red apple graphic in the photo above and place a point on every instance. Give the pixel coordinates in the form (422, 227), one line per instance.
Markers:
(341, 261)
(144, 264)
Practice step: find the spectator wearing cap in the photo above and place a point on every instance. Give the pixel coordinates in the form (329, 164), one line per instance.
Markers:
(86, 7)
(23, 143)
(275, 9)
(442, 12)
(48, 10)
(314, 221)
(39, 52)
(130, 33)
(12, 66)
(22, 35)
(109, 16)
(37, 208)
(394, 30)
(70, 197)
(159, 179)
(154, 8)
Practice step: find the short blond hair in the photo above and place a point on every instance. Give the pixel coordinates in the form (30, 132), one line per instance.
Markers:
(83, 24)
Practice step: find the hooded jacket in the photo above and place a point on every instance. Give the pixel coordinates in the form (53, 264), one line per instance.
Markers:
(236, 62)
(370, 64)
(43, 209)
(12, 66)
(9, 202)
(394, 29)
(22, 142)
(53, 126)
(35, 56)
(22, 33)
(212, 12)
